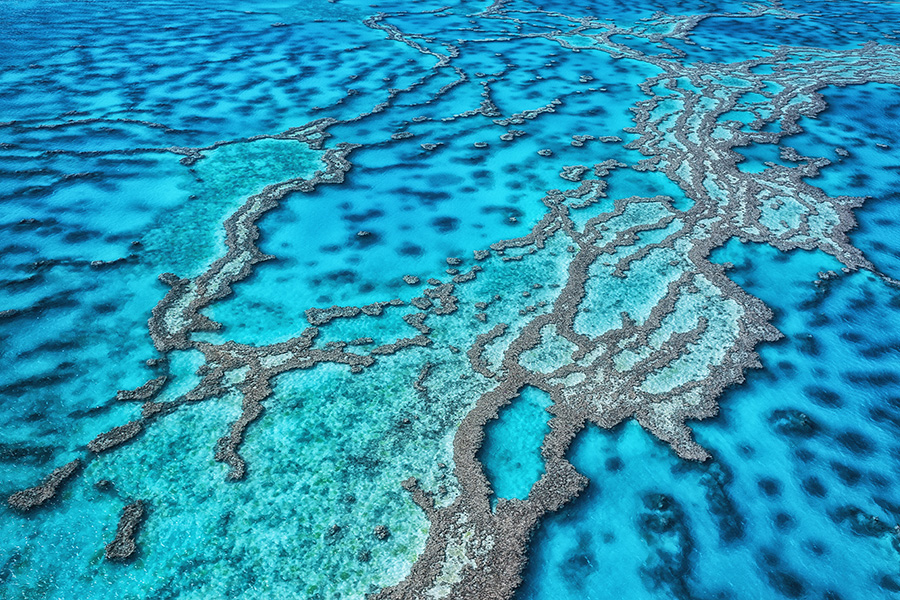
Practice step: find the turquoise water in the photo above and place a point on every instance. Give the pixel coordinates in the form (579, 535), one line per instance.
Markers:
(510, 454)
(628, 202)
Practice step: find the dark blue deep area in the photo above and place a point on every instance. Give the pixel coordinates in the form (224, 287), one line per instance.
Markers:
(801, 498)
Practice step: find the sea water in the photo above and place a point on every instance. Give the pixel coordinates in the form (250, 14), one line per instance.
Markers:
(99, 106)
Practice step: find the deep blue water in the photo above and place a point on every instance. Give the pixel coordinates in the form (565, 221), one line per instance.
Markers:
(800, 499)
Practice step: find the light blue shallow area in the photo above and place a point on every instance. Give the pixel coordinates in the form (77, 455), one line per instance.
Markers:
(511, 451)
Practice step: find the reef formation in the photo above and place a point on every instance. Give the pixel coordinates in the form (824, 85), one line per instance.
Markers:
(611, 306)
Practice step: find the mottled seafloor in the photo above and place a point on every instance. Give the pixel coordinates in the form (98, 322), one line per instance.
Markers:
(461, 299)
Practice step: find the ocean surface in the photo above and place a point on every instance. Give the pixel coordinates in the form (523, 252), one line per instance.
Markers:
(465, 299)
